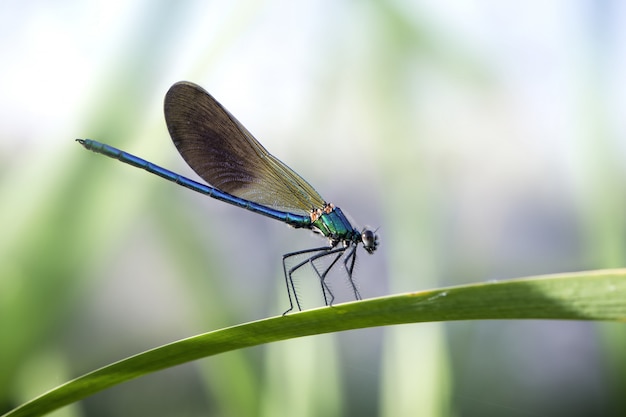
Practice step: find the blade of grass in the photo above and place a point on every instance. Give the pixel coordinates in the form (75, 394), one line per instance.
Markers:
(594, 295)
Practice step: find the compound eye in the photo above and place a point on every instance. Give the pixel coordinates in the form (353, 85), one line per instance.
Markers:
(370, 240)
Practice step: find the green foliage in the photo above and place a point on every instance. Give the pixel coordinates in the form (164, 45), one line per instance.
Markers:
(595, 295)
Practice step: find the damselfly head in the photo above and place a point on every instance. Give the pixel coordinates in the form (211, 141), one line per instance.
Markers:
(370, 240)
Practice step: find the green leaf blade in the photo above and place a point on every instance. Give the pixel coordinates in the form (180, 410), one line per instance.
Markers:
(594, 295)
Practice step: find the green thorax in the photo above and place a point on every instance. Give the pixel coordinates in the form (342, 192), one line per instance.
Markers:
(334, 225)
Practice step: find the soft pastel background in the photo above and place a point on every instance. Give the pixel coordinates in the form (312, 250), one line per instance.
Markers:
(487, 140)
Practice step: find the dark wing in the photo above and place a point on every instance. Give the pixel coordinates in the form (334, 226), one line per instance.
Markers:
(221, 151)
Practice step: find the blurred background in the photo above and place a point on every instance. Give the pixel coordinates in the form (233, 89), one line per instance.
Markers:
(486, 140)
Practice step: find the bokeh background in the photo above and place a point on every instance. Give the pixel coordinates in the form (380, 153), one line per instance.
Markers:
(486, 140)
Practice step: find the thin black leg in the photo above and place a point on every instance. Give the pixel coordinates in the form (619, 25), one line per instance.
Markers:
(351, 259)
(289, 280)
(348, 262)
(322, 276)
